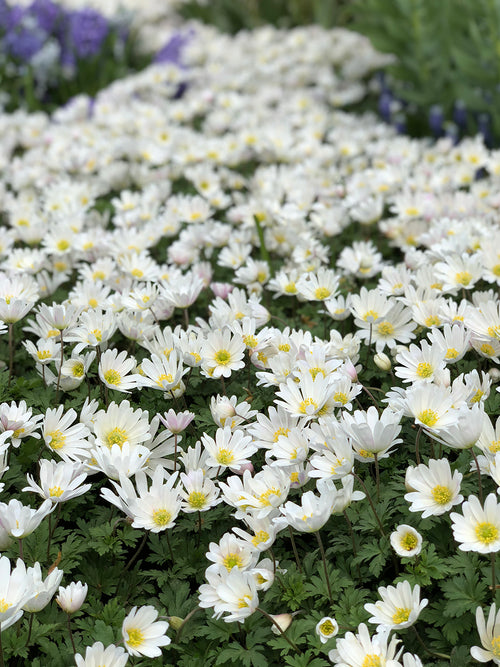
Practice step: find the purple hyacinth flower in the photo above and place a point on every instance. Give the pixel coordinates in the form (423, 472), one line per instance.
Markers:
(87, 31)
(47, 14)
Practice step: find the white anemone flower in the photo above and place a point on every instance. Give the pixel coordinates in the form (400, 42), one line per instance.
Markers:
(399, 608)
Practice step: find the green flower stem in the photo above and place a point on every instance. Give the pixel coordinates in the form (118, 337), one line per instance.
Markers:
(377, 475)
(295, 552)
(478, 475)
(422, 643)
(325, 567)
(71, 634)
(493, 575)
(188, 618)
(21, 554)
(61, 360)
(381, 527)
(283, 634)
(30, 627)
(263, 250)
(417, 445)
(11, 350)
(2, 663)
(135, 556)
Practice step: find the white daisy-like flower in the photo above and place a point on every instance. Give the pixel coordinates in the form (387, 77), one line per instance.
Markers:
(143, 634)
(406, 541)
(95, 655)
(479, 527)
(399, 608)
(326, 628)
(115, 371)
(489, 633)
(434, 490)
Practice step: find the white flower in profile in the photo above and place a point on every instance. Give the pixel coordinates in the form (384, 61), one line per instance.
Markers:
(234, 593)
(95, 655)
(406, 541)
(21, 520)
(434, 490)
(115, 371)
(15, 590)
(489, 633)
(312, 513)
(399, 608)
(143, 634)
(70, 598)
(479, 527)
(42, 590)
(118, 460)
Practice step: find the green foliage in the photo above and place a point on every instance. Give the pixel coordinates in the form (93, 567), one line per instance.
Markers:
(445, 52)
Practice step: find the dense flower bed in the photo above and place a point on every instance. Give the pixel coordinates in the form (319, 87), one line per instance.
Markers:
(250, 347)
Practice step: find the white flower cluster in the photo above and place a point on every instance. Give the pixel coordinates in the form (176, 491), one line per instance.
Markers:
(136, 201)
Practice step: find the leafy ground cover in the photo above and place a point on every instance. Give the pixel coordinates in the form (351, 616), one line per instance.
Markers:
(250, 344)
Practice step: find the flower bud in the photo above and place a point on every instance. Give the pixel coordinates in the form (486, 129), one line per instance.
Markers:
(494, 374)
(175, 622)
(382, 361)
(283, 620)
(71, 598)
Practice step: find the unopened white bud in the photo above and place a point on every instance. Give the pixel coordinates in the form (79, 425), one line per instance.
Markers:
(382, 361)
(494, 374)
(283, 620)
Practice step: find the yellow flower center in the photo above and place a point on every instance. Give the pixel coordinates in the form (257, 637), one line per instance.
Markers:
(495, 646)
(315, 371)
(494, 446)
(43, 354)
(370, 314)
(58, 439)
(259, 537)
(321, 293)
(442, 494)
(242, 602)
(250, 341)
(477, 396)
(413, 211)
(496, 270)
(78, 370)
(62, 244)
(264, 497)
(385, 328)
(98, 275)
(409, 541)
(223, 357)
(424, 370)
(494, 332)
(402, 615)
(162, 518)
(487, 350)
(98, 334)
(280, 431)
(432, 321)
(164, 378)
(428, 417)
(371, 660)
(112, 376)
(304, 405)
(232, 560)
(451, 353)
(93, 303)
(340, 397)
(327, 628)
(56, 491)
(17, 432)
(137, 273)
(486, 532)
(53, 332)
(294, 477)
(285, 347)
(463, 278)
(224, 457)
(4, 606)
(290, 288)
(135, 637)
(197, 500)
(115, 437)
